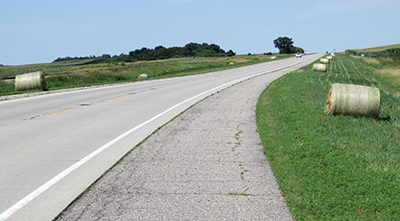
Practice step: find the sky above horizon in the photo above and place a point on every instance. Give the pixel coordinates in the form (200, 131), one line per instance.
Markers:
(41, 31)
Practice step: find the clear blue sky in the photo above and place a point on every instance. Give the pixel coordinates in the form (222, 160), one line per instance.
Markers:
(41, 31)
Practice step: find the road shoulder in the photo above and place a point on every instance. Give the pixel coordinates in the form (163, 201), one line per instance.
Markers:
(206, 164)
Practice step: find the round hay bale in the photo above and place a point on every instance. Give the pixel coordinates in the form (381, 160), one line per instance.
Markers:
(319, 67)
(324, 61)
(333, 54)
(354, 100)
(143, 76)
(231, 63)
(273, 57)
(30, 81)
(329, 57)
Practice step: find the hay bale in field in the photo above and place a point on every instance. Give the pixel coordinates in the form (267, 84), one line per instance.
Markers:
(319, 67)
(354, 100)
(333, 54)
(273, 57)
(143, 76)
(231, 63)
(30, 81)
(324, 61)
(329, 57)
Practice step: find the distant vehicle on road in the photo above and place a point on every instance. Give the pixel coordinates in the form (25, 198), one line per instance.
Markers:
(298, 55)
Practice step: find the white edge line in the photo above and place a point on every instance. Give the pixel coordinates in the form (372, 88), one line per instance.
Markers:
(17, 206)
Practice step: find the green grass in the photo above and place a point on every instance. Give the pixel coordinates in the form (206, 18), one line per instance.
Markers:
(71, 74)
(379, 48)
(12, 71)
(388, 51)
(332, 167)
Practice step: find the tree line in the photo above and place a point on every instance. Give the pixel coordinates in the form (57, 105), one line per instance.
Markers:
(161, 52)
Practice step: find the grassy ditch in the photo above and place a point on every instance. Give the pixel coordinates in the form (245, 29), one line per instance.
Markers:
(71, 74)
(333, 167)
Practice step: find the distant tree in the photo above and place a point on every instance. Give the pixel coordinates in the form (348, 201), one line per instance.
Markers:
(296, 49)
(230, 53)
(206, 53)
(160, 52)
(106, 56)
(284, 44)
(216, 48)
(191, 48)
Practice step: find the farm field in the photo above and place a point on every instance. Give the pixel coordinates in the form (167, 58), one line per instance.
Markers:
(388, 51)
(379, 48)
(70, 74)
(334, 167)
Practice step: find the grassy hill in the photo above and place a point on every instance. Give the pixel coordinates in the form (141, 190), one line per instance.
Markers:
(388, 51)
(334, 167)
(379, 48)
(87, 72)
(12, 71)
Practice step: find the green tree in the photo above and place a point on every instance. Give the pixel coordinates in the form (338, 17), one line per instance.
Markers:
(206, 53)
(296, 49)
(284, 44)
(231, 53)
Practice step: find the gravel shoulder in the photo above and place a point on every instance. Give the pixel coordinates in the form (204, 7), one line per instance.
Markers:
(206, 164)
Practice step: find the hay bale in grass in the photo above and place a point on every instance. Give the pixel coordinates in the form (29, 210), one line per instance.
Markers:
(329, 57)
(273, 57)
(354, 100)
(333, 54)
(324, 61)
(231, 64)
(30, 81)
(143, 76)
(319, 67)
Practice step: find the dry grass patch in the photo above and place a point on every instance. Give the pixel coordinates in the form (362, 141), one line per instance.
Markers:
(371, 60)
(390, 73)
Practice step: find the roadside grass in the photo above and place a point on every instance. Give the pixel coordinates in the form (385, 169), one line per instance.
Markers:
(333, 167)
(61, 75)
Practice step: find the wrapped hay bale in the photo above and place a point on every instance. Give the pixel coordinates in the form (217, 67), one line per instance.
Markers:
(333, 54)
(355, 100)
(231, 64)
(30, 81)
(143, 76)
(324, 61)
(329, 57)
(273, 57)
(319, 67)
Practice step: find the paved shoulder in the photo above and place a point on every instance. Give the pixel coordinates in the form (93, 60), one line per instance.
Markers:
(207, 164)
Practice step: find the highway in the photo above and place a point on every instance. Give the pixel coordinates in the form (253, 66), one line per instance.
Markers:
(55, 146)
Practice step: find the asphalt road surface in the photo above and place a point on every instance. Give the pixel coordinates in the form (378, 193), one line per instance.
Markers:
(54, 146)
